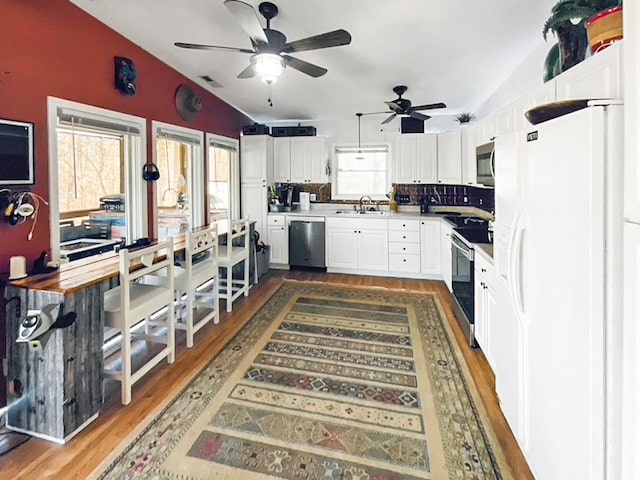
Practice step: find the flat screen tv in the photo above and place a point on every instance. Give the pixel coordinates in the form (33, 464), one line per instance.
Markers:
(16, 153)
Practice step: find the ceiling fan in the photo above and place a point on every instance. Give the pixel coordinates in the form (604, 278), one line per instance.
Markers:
(402, 106)
(269, 55)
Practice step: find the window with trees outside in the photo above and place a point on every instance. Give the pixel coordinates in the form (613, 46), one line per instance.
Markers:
(360, 171)
(180, 189)
(93, 153)
(222, 188)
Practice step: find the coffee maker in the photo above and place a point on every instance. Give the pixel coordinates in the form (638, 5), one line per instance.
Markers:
(288, 195)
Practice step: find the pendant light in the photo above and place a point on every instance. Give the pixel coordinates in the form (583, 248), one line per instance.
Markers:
(359, 157)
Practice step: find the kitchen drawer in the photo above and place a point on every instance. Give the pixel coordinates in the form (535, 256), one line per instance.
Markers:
(404, 237)
(277, 220)
(357, 223)
(404, 248)
(404, 225)
(399, 262)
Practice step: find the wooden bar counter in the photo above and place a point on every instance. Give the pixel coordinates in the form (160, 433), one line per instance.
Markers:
(56, 390)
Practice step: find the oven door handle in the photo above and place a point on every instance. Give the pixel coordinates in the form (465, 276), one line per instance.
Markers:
(461, 247)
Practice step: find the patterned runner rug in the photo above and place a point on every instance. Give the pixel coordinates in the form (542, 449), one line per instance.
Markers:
(326, 383)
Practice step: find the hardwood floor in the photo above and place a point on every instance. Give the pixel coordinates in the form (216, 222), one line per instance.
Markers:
(38, 459)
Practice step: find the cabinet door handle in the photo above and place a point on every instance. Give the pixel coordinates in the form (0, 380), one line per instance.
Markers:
(404, 237)
(483, 269)
(404, 248)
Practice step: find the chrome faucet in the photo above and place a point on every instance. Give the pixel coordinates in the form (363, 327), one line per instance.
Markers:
(361, 199)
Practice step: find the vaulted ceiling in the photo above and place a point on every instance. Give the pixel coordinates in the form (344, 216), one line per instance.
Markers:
(453, 51)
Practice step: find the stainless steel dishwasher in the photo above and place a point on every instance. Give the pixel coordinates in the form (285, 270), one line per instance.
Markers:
(306, 242)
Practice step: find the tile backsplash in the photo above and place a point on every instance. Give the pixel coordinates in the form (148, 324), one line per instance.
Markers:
(433, 194)
(449, 195)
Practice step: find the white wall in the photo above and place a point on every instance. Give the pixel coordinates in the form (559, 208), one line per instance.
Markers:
(527, 77)
(524, 79)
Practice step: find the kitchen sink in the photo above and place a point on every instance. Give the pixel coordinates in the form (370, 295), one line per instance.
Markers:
(360, 212)
(345, 212)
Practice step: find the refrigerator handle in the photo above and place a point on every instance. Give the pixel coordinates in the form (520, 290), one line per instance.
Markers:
(515, 266)
(518, 270)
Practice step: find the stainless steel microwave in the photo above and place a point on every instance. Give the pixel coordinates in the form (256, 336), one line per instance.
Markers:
(485, 164)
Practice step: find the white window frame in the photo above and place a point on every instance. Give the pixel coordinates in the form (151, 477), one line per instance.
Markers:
(234, 180)
(334, 171)
(136, 191)
(196, 180)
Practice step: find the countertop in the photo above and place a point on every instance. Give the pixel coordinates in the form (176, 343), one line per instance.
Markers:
(86, 272)
(408, 212)
(486, 250)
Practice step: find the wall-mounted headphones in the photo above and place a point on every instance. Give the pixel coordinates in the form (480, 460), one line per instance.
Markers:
(150, 172)
(18, 207)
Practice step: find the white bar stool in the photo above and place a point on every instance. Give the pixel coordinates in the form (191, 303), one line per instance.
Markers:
(230, 255)
(136, 303)
(196, 282)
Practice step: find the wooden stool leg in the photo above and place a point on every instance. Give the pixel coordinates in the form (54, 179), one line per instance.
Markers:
(245, 285)
(229, 288)
(216, 299)
(125, 381)
(171, 334)
(189, 320)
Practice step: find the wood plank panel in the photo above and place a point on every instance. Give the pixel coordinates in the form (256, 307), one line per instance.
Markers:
(62, 384)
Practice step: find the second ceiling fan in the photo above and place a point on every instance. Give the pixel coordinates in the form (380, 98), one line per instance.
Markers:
(270, 47)
(403, 106)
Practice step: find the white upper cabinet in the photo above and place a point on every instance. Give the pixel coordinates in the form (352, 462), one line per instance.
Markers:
(256, 159)
(468, 139)
(599, 76)
(282, 159)
(486, 130)
(415, 158)
(450, 157)
(503, 121)
(300, 159)
(543, 95)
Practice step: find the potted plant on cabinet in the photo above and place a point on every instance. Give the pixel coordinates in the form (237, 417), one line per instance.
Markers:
(465, 117)
(567, 21)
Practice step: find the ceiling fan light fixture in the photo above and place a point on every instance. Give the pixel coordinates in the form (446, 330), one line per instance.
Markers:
(267, 66)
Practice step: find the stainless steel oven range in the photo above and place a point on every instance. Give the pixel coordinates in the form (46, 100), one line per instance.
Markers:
(462, 256)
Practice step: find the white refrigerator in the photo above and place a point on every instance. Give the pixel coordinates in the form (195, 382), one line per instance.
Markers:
(564, 276)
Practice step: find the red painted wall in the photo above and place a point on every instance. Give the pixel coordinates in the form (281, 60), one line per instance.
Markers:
(52, 48)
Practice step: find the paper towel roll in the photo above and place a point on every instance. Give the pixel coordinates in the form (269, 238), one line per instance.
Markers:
(305, 202)
(17, 268)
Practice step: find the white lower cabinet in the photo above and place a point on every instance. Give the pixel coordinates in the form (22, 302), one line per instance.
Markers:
(404, 246)
(445, 252)
(484, 306)
(356, 245)
(430, 250)
(254, 203)
(278, 239)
